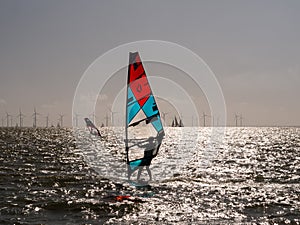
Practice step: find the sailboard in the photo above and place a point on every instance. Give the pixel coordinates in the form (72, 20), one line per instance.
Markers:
(143, 128)
(91, 127)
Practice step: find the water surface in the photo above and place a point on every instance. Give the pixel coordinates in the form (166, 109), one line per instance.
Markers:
(253, 177)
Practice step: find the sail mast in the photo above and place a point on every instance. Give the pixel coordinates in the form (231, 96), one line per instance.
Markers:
(126, 113)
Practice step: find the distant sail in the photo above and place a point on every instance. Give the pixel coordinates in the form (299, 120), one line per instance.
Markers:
(92, 128)
(176, 122)
(180, 123)
(144, 131)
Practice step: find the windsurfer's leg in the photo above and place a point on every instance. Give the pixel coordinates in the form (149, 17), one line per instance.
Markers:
(129, 172)
(139, 172)
(149, 172)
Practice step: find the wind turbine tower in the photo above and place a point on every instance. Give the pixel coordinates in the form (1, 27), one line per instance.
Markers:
(76, 119)
(61, 118)
(21, 115)
(112, 117)
(106, 120)
(204, 119)
(35, 117)
(7, 119)
(241, 120)
(164, 117)
(236, 119)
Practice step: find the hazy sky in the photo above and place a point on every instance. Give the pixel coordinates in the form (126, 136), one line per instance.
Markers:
(251, 46)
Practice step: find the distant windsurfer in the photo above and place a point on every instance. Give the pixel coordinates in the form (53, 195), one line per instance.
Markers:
(91, 127)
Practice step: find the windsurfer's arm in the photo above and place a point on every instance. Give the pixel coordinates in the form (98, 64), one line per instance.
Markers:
(137, 144)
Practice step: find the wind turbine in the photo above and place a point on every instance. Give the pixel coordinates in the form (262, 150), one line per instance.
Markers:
(93, 117)
(236, 119)
(204, 119)
(241, 120)
(195, 121)
(47, 120)
(106, 120)
(21, 115)
(11, 121)
(215, 121)
(76, 119)
(7, 119)
(35, 117)
(164, 117)
(61, 118)
(112, 116)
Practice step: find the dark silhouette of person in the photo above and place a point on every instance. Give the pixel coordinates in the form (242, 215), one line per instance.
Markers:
(151, 150)
(148, 156)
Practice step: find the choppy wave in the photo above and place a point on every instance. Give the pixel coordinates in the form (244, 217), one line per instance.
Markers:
(47, 176)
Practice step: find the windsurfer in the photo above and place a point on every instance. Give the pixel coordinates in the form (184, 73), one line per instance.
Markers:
(141, 112)
(148, 156)
(91, 127)
(151, 150)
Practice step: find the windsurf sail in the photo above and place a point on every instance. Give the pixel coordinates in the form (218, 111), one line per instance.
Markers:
(143, 129)
(176, 122)
(91, 127)
(180, 123)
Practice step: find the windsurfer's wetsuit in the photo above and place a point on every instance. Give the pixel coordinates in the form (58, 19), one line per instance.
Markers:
(145, 161)
(148, 156)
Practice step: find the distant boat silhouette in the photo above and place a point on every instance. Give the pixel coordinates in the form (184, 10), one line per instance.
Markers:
(175, 122)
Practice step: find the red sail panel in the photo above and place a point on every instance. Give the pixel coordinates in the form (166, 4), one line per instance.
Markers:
(136, 69)
(138, 80)
(141, 90)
